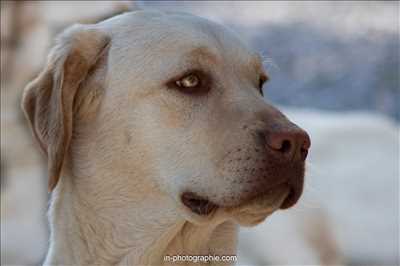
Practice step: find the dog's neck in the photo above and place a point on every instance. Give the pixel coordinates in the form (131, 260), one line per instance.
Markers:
(111, 234)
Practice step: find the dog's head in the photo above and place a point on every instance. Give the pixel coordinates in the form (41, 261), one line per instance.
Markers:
(170, 100)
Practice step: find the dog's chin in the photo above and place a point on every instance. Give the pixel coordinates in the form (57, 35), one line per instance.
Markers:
(248, 213)
(258, 209)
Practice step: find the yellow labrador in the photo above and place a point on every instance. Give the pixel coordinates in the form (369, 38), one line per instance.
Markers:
(157, 126)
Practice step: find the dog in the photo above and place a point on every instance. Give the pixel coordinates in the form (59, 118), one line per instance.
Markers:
(159, 141)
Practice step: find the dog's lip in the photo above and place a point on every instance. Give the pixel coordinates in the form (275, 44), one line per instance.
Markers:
(271, 199)
(198, 204)
(257, 209)
(277, 197)
(291, 199)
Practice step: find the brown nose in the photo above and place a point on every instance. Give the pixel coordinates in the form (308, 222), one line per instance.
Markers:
(290, 144)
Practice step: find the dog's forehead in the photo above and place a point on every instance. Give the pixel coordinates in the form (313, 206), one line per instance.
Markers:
(166, 33)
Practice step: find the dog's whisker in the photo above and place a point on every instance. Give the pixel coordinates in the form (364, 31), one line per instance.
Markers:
(311, 188)
(307, 204)
(313, 168)
(269, 63)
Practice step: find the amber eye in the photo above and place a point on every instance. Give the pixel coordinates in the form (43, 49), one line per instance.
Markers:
(190, 81)
(194, 81)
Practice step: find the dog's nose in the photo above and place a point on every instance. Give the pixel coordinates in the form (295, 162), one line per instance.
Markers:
(290, 144)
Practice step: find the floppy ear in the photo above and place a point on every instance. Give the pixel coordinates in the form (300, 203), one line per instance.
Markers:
(48, 100)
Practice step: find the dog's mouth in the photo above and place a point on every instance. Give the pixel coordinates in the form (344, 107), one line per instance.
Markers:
(197, 204)
(252, 209)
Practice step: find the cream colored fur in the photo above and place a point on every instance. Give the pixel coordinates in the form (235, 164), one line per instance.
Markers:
(122, 147)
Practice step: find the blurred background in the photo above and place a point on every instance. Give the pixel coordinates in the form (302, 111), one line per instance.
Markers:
(334, 69)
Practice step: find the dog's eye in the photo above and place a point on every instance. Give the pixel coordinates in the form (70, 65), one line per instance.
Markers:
(190, 81)
(195, 81)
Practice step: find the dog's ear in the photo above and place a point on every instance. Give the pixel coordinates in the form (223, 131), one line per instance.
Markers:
(48, 100)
